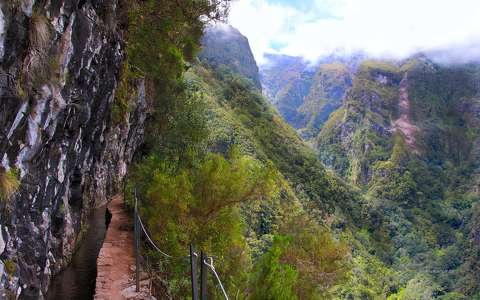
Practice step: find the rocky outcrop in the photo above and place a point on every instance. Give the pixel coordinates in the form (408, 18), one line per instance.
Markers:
(59, 68)
(403, 123)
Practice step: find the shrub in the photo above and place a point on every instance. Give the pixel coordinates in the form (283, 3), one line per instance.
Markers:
(304, 262)
(38, 68)
(200, 204)
(274, 280)
(14, 4)
(320, 260)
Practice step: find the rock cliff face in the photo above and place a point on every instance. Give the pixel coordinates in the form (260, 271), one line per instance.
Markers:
(59, 67)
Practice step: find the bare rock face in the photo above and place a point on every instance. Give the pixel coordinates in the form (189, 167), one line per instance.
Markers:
(59, 68)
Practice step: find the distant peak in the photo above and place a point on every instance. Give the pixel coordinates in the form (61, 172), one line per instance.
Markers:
(225, 46)
(225, 30)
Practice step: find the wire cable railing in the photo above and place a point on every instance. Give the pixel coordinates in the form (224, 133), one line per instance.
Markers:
(210, 265)
(150, 240)
(208, 262)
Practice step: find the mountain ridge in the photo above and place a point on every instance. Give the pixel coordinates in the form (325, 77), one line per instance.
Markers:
(402, 132)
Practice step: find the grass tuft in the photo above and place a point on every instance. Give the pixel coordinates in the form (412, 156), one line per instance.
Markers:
(39, 67)
(10, 267)
(14, 4)
(39, 32)
(9, 183)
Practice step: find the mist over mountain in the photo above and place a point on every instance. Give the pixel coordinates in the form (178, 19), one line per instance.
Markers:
(323, 150)
(225, 46)
(406, 133)
(381, 29)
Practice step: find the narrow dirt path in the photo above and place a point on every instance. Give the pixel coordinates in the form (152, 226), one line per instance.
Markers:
(403, 123)
(116, 261)
(116, 256)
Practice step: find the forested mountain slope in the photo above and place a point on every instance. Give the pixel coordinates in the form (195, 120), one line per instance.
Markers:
(407, 134)
(396, 226)
(239, 116)
(306, 94)
(231, 163)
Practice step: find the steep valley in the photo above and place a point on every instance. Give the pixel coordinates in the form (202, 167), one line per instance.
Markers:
(406, 134)
(348, 178)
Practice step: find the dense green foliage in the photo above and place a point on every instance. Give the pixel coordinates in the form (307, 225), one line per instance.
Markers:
(200, 205)
(329, 85)
(221, 169)
(420, 199)
(355, 137)
(277, 278)
(305, 95)
(302, 263)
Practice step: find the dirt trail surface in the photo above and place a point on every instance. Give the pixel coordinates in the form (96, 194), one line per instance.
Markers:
(116, 261)
(403, 123)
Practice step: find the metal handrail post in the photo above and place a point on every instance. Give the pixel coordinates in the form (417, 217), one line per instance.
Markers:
(203, 277)
(193, 272)
(136, 245)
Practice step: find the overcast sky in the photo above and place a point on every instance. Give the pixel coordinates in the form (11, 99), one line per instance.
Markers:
(381, 28)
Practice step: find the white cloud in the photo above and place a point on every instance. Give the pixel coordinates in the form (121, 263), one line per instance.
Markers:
(382, 28)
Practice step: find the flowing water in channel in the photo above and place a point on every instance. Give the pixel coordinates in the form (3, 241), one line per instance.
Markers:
(77, 281)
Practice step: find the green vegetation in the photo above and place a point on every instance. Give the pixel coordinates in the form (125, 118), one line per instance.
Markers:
(275, 280)
(325, 95)
(419, 201)
(228, 48)
(200, 205)
(221, 169)
(10, 267)
(125, 93)
(9, 183)
(304, 95)
(305, 262)
(368, 109)
(223, 113)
